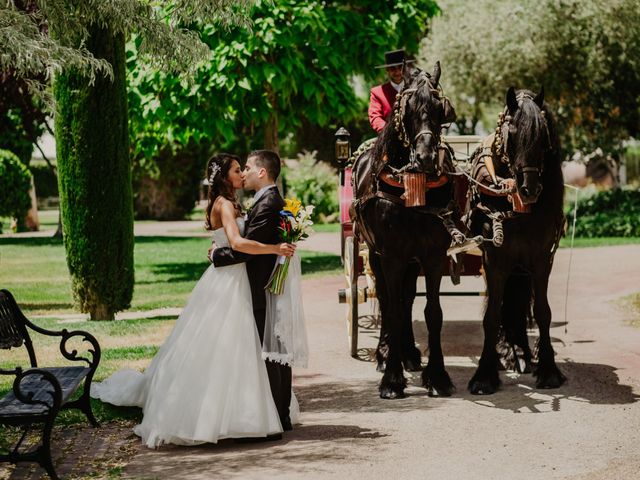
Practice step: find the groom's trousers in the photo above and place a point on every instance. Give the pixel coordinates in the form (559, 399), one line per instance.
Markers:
(279, 375)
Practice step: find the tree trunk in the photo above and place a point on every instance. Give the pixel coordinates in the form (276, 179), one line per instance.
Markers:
(94, 180)
(271, 128)
(58, 233)
(31, 221)
(101, 312)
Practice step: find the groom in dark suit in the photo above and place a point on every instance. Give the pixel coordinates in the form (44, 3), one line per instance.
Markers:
(260, 174)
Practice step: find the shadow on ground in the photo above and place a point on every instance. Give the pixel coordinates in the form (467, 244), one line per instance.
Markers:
(176, 272)
(305, 450)
(596, 384)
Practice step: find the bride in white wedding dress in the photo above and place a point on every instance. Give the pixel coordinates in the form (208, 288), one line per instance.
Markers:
(208, 380)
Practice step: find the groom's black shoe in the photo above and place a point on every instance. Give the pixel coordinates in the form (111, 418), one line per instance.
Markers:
(269, 438)
(286, 424)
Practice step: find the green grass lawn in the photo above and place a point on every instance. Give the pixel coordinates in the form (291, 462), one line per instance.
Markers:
(48, 221)
(326, 227)
(598, 242)
(124, 343)
(167, 268)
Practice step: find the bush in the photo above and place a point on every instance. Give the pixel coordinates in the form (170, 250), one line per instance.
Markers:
(313, 182)
(610, 213)
(15, 182)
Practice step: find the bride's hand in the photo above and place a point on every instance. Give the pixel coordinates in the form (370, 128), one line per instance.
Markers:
(285, 249)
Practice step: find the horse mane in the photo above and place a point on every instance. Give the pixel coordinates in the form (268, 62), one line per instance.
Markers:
(528, 119)
(388, 144)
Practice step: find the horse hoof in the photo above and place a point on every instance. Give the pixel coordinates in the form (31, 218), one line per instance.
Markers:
(412, 366)
(549, 378)
(481, 388)
(482, 384)
(437, 382)
(389, 393)
(446, 391)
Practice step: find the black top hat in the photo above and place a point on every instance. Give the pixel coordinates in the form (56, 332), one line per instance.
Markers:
(394, 58)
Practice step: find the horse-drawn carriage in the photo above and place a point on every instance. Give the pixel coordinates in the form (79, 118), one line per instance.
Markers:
(407, 198)
(355, 254)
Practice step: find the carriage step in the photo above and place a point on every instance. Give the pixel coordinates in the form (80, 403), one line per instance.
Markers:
(363, 295)
(457, 294)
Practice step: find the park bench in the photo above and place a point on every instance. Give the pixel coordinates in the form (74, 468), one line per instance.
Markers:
(38, 394)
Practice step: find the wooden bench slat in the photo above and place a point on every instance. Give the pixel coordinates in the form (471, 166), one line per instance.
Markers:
(68, 377)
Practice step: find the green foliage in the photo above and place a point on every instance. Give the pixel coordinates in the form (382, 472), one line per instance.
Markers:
(95, 181)
(294, 56)
(313, 183)
(584, 52)
(610, 213)
(34, 55)
(21, 118)
(15, 182)
(292, 70)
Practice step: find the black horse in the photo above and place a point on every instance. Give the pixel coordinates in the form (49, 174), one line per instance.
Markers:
(398, 236)
(525, 154)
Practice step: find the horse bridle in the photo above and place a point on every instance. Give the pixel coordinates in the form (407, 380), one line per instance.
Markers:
(501, 139)
(398, 120)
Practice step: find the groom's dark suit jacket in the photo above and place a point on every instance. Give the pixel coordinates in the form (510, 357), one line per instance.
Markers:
(261, 226)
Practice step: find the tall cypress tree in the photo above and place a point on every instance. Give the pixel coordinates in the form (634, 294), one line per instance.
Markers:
(95, 180)
(91, 118)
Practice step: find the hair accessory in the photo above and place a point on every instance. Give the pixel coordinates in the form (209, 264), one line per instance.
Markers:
(215, 169)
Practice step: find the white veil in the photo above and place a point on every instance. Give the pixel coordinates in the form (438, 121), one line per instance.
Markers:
(285, 333)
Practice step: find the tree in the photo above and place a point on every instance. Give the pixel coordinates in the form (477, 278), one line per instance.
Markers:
(293, 69)
(95, 180)
(91, 122)
(584, 52)
(21, 117)
(15, 181)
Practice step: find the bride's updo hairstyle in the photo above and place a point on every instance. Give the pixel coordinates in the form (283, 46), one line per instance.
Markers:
(219, 185)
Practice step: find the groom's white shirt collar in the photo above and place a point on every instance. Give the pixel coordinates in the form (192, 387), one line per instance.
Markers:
(261, 192)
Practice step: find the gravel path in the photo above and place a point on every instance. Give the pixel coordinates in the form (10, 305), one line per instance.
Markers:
(588, 429)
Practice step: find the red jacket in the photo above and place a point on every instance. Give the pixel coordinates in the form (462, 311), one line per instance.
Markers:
(380, 105)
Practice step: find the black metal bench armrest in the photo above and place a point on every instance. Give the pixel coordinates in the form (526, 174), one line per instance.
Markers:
(73, 354)
(46, 381)
(66, 335)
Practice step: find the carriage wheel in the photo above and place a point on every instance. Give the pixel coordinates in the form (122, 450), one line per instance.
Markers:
(351, 277)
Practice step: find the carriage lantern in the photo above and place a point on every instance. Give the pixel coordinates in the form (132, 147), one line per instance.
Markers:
(343, 146)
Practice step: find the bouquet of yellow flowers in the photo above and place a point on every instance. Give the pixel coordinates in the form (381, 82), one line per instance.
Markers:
(295, 225)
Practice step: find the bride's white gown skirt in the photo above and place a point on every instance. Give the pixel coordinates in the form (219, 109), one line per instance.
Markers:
(208, 381)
